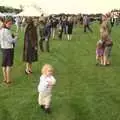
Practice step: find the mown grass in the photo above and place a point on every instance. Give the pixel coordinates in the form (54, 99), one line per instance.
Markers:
(83, 91)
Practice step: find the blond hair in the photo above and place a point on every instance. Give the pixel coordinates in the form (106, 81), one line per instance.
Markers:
(46, 67)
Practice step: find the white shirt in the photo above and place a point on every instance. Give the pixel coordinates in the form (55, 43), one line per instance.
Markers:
(6, 40)
(17, 20)
(23, 20)
(46, 83)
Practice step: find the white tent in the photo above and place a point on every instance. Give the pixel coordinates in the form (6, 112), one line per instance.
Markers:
(1, 14)
(30, 12)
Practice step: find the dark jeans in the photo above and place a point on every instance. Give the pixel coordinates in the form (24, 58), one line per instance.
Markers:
(112, 24)
(46, 42)
(87, 27)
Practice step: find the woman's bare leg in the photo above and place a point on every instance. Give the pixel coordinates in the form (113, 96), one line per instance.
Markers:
(105, 60)
(30, 67)
(8, 70)
(70, 37)
(27, 68)
(102, 60)
(4, 74)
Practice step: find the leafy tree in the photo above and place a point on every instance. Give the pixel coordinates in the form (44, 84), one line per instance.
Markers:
(9, 9)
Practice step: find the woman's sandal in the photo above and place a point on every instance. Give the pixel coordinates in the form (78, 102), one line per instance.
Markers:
(27, 72)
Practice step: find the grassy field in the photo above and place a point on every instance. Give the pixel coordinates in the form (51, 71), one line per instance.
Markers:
(83, 91)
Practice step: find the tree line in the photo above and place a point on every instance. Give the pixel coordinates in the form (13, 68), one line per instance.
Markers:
(4, 9)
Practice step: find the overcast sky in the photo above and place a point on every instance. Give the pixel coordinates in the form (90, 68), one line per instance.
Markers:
(67, 6)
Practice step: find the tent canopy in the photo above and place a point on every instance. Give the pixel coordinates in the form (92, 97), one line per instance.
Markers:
(1, 14)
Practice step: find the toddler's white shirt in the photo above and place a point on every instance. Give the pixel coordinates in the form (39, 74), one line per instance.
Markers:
(44, 83)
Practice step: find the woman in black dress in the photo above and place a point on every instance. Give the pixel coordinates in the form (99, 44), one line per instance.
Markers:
(30, 45)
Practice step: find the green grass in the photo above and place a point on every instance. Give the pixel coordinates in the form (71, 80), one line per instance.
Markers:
(83, 91)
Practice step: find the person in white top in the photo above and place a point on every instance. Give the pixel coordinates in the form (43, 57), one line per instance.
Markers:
(7, 41)
(23, 24)
(1, 26)
(47, 81)
(18, 23)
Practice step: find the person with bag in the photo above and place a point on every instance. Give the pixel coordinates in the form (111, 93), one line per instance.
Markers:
(7, 42)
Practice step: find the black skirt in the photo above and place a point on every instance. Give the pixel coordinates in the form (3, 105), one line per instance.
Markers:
(70, 27)
(7, 57)
(70, 30)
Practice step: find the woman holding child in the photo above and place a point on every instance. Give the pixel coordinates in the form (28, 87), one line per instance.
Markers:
(106, 43)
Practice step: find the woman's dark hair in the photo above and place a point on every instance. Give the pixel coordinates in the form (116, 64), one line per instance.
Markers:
(1, 19)
(29, 20)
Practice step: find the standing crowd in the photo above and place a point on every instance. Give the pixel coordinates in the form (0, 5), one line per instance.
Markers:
(37, 32)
